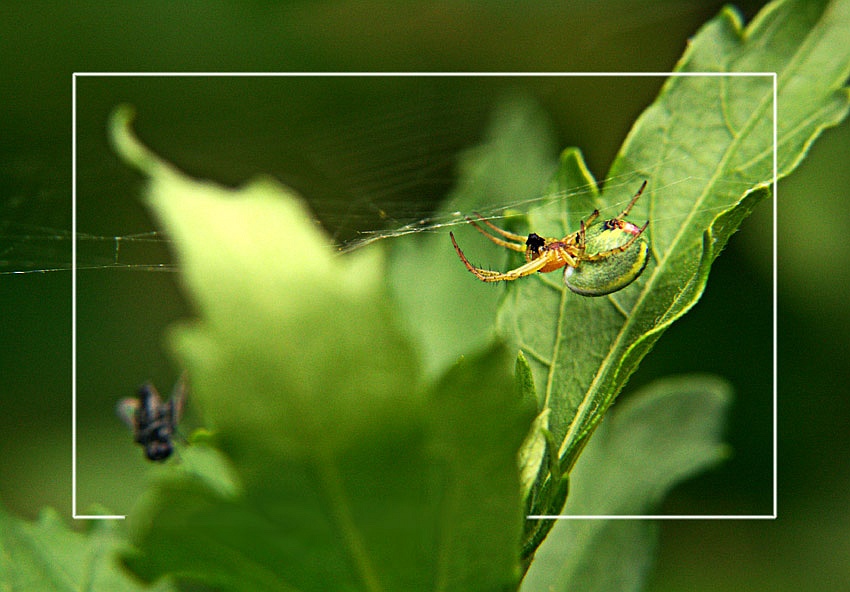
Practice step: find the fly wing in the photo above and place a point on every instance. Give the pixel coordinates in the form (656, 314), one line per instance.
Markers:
(127, 410)
(150, 405)
(178, 399)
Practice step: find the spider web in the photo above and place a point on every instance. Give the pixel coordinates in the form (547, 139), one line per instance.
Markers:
(32, 249)
(366, 173)
(369, 179)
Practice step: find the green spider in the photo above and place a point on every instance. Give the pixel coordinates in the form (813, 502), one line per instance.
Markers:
(598, 259)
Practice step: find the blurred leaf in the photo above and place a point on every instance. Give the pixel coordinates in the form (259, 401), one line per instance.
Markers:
(47, 556)
(668, 431)
(705, 147)
(430, 287)
(534, 448)
(348, 471)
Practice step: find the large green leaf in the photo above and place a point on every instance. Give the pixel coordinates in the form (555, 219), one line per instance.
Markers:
(706, 147)
(343, 469)
(47, 556)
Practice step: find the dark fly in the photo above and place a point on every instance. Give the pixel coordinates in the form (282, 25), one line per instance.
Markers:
(154, 421)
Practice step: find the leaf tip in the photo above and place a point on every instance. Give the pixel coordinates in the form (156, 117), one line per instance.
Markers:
(126, 144)
(572, 162)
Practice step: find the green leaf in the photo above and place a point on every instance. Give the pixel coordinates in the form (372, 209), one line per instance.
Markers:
(342, 468)
(705, 146)
(47, 556)
(663, 434)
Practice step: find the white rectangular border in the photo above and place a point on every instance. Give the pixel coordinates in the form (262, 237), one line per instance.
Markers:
(74, 77)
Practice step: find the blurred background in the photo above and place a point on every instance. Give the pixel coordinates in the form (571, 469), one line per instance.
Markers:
(376, 153)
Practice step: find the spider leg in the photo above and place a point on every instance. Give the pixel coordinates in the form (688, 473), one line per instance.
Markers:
(628, 209)
(502, 243)
(593, 216)
(502, 231)
(580, 236)
(497, 240)
(486, 275)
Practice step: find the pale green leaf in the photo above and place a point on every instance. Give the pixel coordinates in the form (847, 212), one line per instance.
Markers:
(47, 556)
(342, 468)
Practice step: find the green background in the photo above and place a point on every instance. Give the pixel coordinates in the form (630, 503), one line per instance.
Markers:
(372, 153)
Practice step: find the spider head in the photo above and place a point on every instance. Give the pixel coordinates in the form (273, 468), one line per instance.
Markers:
(535, 243)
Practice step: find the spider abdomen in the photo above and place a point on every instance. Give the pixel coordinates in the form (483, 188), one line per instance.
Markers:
(615, 271)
